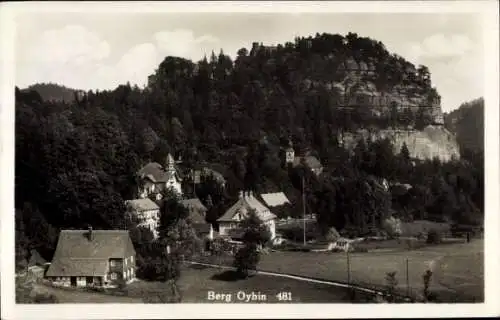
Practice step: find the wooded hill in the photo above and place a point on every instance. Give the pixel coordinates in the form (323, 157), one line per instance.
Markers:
(467, 122)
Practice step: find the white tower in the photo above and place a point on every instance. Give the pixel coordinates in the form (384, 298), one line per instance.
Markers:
(289, 153)
(173, 180)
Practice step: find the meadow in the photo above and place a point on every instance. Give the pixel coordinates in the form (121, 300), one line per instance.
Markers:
(452, 280)
(197, 282)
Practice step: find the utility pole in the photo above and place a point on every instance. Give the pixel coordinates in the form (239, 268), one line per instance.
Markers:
(194, 182)
(304, 209)
(407, 279)
(348, 268)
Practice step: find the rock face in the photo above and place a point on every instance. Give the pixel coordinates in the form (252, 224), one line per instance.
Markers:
(433, 141)
(355, 86)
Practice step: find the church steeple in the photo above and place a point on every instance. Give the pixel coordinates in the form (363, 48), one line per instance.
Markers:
(289, 153)
(170, 163)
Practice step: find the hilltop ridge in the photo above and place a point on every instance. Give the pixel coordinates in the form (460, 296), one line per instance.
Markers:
(345, 85)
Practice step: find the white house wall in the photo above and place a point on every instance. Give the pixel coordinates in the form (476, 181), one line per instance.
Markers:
(81, 281)
(174, 185)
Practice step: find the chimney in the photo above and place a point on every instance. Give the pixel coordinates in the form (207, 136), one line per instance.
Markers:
(90, 234)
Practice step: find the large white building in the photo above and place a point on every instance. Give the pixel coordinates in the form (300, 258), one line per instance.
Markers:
(155, 178)
(232, 218)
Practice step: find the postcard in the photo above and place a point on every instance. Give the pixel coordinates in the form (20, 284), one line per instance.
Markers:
(249, 159)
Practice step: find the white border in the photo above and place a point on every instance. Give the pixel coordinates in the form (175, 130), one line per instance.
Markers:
(489, 10)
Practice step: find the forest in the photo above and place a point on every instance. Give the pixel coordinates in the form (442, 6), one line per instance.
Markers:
(76, 159)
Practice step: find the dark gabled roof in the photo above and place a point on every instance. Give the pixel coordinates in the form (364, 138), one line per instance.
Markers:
(158, 173)
(196, 210)
(215, 174)
(241, 208)
(75, 253)
(145, 204)
(154, 172)
(310, 161)
(193, 203)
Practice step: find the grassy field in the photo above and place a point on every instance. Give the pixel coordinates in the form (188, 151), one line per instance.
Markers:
(369, 269)
(463, 272)
(196, 283)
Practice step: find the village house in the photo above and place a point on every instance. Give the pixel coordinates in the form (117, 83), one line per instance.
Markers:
(147, 212)
(275, 199)
(100, 258)
(217, 176)
(279, 203)
(205, 172)
(230, 221)
(155, 178)
(309, 161)
(197, 216)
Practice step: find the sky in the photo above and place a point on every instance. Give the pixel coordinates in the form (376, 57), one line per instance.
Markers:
(102, 50)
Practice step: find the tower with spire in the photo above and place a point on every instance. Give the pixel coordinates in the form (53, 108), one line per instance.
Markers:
(289, 153)
(173, 181)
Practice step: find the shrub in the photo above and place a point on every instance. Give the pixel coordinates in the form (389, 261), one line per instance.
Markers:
(391, 283)
(427, 281)
(332, 235)
(246, 259)
(434, 237)
(393, 227)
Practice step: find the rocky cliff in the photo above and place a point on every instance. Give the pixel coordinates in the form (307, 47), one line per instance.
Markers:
(431, 142)
(357, 85)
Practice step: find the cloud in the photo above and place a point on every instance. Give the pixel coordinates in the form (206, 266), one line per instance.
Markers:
(71, 44)
(440, 46)
(76, 57)
(455, 62)
(183, 43)
(137, 64)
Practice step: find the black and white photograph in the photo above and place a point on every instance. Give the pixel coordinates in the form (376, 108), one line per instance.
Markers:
(279, 154)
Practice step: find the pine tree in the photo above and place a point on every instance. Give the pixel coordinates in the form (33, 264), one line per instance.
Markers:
(405, 153)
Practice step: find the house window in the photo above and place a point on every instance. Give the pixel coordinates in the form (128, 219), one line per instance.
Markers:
(113, 276)
(113, 263)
